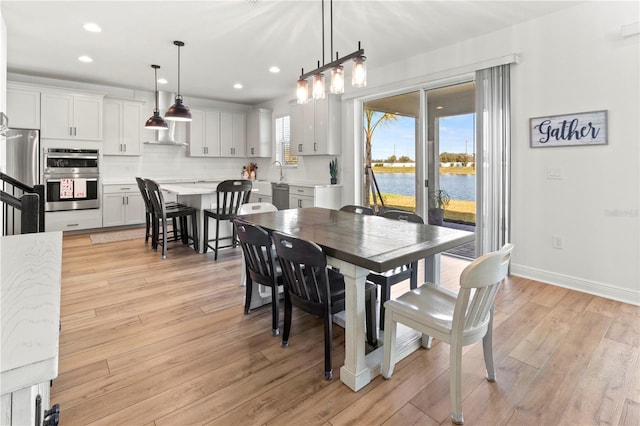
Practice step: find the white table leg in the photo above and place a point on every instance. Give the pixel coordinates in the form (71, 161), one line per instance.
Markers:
(356, 371)
(432, 269)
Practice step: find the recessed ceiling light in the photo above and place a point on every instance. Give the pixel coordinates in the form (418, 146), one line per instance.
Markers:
(439, 107)
(92, 27)
(85, 58)
(274, 70)
(237, 86)
(162, 81)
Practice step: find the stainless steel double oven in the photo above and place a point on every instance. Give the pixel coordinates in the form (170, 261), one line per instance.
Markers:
(71, 178)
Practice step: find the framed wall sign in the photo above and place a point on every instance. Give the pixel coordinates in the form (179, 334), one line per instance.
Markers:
(579, 129)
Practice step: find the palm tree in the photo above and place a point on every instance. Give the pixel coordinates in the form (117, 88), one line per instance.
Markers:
(369, 128)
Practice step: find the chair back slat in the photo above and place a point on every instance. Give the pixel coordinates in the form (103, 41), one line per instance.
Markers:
(256, 208)
(145, 194)
(156, 198)
(402, 215)
(479, 284)
(357, 209)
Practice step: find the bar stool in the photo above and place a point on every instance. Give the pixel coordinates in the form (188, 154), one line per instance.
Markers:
(230, 195)
(149, 209)
(160, 215)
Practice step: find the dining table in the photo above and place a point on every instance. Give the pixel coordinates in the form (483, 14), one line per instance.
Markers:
(356, 244)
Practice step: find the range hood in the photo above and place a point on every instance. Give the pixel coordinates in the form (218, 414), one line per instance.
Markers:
(166, 137)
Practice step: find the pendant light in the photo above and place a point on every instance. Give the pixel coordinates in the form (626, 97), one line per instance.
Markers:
(302, 92)
(178, 111)
(156, 122)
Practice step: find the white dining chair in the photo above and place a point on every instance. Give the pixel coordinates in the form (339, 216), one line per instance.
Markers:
(458, 320)
(249, 208)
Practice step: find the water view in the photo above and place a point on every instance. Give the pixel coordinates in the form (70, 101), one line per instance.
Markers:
(459, 186)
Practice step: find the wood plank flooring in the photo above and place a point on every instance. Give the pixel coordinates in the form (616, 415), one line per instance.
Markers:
(147, 341)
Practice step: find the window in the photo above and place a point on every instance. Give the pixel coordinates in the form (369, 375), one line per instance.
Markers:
(283, 143)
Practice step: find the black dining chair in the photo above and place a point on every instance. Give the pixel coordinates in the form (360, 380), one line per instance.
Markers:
(261, 265)
(149, 209)
(230, 195)
(351, 208)
(160, 216)
(399, 274)
(316, 289)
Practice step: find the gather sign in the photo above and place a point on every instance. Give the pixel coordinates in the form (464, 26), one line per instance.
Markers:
(583, 128)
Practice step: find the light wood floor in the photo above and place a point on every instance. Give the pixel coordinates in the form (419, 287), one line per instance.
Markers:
(152, 342)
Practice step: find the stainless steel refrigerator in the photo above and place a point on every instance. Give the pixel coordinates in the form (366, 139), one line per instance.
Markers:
(23, 155)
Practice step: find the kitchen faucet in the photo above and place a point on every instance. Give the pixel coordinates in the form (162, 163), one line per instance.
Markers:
(281, 170)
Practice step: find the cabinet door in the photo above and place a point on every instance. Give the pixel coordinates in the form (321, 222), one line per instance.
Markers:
(113, 210)
(88, 117)
(212, 133)
(136, 210)
(226, 134)
(57, 116)
(112, 127)
(132, 127)
(296, 129)
(259, 133)
(300, 201)
(23, 108)
(308, 132)
(239, 134)
(197, 133)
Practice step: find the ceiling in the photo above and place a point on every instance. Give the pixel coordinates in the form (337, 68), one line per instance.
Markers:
(228, 42)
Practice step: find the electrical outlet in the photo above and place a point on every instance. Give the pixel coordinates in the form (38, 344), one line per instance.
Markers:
(554, 173)
(557, 242)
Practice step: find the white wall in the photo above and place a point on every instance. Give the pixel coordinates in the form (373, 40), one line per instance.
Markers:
(3, 86)
(571, 61)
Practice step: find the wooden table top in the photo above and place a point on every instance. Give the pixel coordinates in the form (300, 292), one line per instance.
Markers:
(372, 242)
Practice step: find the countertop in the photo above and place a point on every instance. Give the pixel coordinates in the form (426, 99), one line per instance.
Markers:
(205, 183)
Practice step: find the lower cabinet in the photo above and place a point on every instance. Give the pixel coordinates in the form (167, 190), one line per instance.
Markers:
(73, 220)
(122, 205)
(329, 197)
(258, 198)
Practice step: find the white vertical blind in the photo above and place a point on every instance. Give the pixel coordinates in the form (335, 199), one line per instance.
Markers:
(493, 130)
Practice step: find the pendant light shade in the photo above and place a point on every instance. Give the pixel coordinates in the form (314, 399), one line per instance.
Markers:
(318, 86)
(156, 122)
(337, 80)
(359, 72)
(178, 111)
(302, 92)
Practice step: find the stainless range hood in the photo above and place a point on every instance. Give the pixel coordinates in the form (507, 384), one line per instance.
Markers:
(166, 137)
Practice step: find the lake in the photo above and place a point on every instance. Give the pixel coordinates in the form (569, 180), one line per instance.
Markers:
(459, 186)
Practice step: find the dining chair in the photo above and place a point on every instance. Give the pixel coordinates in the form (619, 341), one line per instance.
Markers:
(161, 214)
(357, 209)
(260, 265)
(316, 289)
(401, 273)
(149, 208)
(230, 195)
(458, 320)
(249, 208)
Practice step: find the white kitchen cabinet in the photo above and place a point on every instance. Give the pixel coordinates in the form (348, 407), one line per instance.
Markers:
(204, 133)
(259, 133)
(71, 115)
(123, 124)
(233, 140)
(122, 205)
(73, 220)
(315, 126)
(328, 196)
(23, 107)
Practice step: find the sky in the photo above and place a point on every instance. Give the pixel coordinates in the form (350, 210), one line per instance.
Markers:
(398, 138)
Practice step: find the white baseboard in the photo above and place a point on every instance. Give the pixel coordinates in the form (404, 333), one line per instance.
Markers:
(579, 284)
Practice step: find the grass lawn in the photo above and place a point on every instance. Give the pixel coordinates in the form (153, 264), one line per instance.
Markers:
(443, 170)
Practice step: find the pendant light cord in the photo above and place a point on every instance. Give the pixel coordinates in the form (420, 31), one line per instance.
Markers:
(155, 70)
(179, 72)
(323, 34)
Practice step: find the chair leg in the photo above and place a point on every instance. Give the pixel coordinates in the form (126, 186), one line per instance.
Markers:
(215, 243)
(370, 314)
(275, 310)
(413, 279)
(247, 297)
(205, 230)
(455, 383)
(487, 348)
(175, 229)
(328, 371)
(154, 234)
(164, 238)
(389, 356)
(194, 232)
(385, 294)
(287, 320)
(147, 229)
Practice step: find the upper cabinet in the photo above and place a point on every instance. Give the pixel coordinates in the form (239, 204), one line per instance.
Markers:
(71, 115)
(23, 107)
(315, 126)
(233, 140)
(123, 124)
(259, 133)
(204, 133)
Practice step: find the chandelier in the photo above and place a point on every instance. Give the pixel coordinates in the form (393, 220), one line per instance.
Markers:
(358, 74)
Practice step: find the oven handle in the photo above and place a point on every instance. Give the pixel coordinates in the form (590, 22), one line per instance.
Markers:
(58, 180)
(80, 157)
